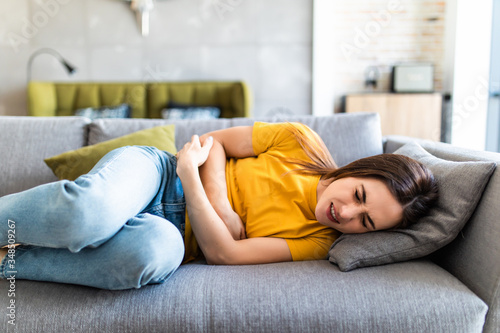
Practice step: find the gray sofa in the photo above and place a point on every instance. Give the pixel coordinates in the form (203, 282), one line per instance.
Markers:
(455, 290)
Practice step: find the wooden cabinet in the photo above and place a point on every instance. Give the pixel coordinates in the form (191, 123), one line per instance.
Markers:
(415, 115)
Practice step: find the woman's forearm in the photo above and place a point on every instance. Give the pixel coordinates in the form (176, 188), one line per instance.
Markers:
(211, 233)
(213, 178)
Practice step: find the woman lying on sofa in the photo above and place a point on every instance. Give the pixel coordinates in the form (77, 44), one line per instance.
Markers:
(124, 224)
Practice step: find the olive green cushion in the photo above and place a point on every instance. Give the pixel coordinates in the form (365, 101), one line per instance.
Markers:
(70, 165)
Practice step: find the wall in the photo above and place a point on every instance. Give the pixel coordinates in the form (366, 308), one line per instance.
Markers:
(323, 53)
(472, 73)
(493, 119)
(266, 43)
(382, 33)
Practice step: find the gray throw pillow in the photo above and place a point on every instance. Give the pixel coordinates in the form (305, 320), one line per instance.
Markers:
(461, 185)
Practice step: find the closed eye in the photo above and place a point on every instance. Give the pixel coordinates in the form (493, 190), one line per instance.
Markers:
(367, 216)
(362, 199)
(358, 198)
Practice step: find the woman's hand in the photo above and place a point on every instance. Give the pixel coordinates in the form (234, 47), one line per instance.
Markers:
(235, 225)
(193, 154)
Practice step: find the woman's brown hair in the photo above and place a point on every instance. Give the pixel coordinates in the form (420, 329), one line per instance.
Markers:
(410, 182)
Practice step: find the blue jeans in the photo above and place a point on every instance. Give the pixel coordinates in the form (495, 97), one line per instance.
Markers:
(120, 226)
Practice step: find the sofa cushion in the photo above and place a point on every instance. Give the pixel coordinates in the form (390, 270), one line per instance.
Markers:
(26, 141)
(70, 165)
(309, 296)
(461, 185)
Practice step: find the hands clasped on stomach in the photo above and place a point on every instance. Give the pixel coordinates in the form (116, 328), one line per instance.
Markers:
(193, 155)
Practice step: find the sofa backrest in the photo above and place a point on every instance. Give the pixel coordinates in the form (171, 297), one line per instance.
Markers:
(347, 136)
(474, 256)
(26, 141)
(146, 99)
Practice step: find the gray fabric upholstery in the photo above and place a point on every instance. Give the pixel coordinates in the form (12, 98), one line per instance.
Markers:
(474, 255)
(461, 185)
(315, 296)
(347, 136)
(26, 141)
(311, 296)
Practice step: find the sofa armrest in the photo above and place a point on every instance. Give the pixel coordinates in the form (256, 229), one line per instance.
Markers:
(473, 256)
(392, 143)
(42, 99)
(242, 101)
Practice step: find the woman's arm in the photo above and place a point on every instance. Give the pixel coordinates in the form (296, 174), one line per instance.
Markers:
(212, 235)
(236, 141)
(230, 142)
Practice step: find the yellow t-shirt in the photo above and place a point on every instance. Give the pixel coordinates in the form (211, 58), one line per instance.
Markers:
(270, 202)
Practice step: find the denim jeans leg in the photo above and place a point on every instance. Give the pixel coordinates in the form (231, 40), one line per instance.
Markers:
(170, 202)
(90, 210)
(148, 249)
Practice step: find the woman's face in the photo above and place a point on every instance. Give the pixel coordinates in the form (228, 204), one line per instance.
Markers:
(357, 205)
